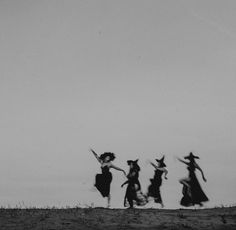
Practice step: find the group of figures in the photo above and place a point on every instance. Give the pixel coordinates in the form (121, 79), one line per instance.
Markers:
(192, 191)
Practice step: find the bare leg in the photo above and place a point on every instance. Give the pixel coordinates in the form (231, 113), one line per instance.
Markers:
(131, 204)
(109, 201)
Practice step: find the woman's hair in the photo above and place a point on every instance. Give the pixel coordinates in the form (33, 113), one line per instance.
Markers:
(107, 154)
(135, 165)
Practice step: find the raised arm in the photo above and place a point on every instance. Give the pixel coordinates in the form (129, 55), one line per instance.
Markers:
(198, 167)
(95, 154)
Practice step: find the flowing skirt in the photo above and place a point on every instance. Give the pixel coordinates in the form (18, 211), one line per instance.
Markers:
(192, 192)
(134, 195)
(154, 190)
(103, 183)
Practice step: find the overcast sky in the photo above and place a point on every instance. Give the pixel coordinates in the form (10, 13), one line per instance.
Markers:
(138, 78)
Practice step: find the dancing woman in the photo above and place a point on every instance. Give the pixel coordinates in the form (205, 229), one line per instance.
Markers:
(103, 181)
(133, 191)
(192, 191)
(156, 182)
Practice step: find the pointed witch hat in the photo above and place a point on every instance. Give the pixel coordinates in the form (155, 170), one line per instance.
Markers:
(191, 156)
(161, 162)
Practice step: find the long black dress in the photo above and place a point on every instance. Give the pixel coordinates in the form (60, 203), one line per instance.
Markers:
(133, 193)
(192, 192)
(154, 187)
(103, 181)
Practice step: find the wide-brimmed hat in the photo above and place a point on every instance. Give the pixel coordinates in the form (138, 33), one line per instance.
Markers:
(191, 156)
(161, 162)
(107, 154)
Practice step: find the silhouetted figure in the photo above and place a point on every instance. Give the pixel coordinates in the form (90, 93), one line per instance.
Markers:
(133, 193)
(192, 191)
(103, 181)
(156, 182)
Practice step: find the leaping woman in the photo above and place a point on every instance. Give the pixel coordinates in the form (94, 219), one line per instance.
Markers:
(103, 180)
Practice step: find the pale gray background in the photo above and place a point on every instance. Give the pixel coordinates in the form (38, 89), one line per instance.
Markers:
(138, 78)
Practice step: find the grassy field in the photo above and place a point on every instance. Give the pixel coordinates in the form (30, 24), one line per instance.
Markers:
(100, 218)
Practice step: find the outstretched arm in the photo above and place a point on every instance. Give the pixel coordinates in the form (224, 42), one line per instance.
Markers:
(198, 167)
(95, 154)
(160, 168)
(185, 162)
(153, 165)
(118, 169)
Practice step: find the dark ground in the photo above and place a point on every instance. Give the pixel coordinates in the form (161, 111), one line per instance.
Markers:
(100, 218)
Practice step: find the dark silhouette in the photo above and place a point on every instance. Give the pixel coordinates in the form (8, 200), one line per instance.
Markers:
(192, 191)
(133, 193)
(156, 182)
(103, 181)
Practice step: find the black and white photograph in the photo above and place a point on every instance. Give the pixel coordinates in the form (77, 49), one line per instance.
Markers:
(117, 114)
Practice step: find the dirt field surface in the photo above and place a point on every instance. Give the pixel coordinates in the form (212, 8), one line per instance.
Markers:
(100, 218)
